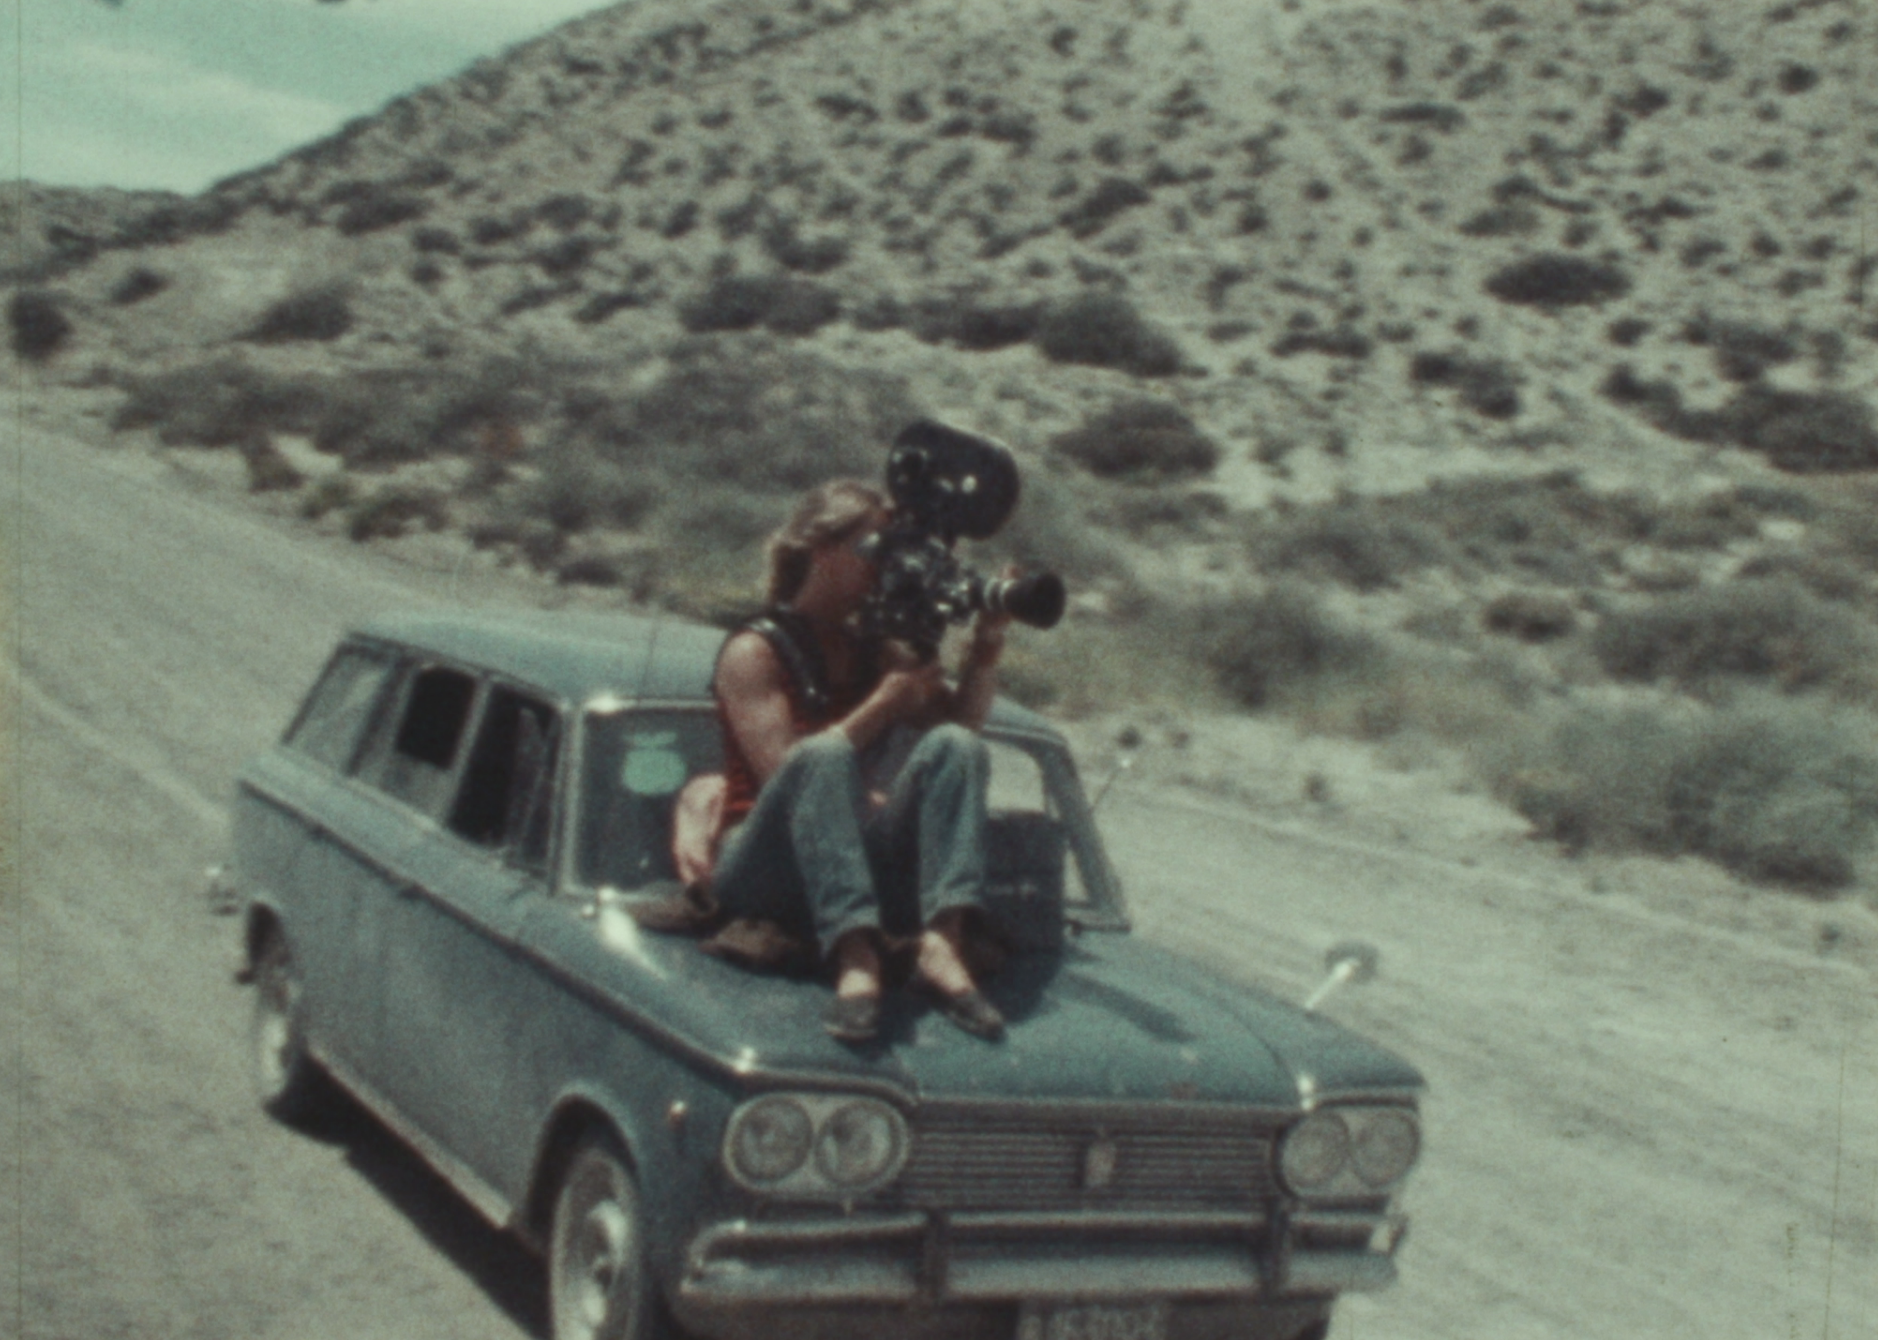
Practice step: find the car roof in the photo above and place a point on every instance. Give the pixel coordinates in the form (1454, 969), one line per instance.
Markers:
(580, 656)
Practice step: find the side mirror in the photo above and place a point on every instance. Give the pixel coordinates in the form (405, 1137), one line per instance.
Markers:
(1350, 961)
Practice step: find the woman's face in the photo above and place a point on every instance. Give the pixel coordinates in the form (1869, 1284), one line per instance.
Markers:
(845, 574)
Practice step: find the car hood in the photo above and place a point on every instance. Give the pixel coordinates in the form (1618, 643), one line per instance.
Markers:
(1109, 1019)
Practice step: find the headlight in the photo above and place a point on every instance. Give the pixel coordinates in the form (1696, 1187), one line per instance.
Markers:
(768, 1140)
(858, 1144)
(1315, 1151)
(1347, 1152)
(1385, 1147)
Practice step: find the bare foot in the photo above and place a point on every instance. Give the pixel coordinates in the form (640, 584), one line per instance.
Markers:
(941, 961)
(857, 965)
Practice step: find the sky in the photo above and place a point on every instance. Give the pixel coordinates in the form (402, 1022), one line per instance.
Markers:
(178, 94)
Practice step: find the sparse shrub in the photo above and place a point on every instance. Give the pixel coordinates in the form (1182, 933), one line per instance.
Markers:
(1515, 220)
(1111, 196)
(603, 305)
(219, 404)
(388, 416)
(962, 319)
(565, 212)
(1530, 616)
(39, 324)
(330, 494)
(1627, 331)
(432, 239)
(566, 256)
(139, 284)
(1487, 386)
(1105, 330)
(810, 255)
(268, 470)
(1440, 116)
(1780, 791)
(486, 230)
(391, 512)
(1336, 342)
(1767, 630)
(323, 313)
(1358, 543)
(1140, 441)
(1806, 432)
(378, 208)
(744, 302)
(1553, 279)
(1267, 648)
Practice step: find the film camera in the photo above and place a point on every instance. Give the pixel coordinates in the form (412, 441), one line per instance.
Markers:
(947, 485)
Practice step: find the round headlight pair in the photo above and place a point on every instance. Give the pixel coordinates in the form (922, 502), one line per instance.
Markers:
(1349, 1150)
(814, 1144)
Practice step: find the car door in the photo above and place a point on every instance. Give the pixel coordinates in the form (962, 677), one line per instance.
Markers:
(404, 775)
(343, 849)
(460, 996)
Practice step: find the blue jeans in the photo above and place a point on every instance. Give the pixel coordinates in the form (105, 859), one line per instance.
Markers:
(816, 857)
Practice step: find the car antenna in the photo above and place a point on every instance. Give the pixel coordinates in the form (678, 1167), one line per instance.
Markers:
(1128, 741)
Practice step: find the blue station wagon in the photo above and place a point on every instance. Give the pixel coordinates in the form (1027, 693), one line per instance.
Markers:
(437, 864)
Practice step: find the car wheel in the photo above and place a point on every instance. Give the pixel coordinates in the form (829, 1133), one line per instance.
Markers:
(599, 1284)
(286, 1077)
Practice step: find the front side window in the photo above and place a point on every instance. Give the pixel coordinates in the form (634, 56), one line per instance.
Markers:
(412, 753)
(334, 715)
(505, 797)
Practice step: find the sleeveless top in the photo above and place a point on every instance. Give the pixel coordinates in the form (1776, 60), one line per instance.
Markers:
(813, 704)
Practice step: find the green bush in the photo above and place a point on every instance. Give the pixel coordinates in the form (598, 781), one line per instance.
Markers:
(1772, 790)
(1772, 630)
(312, 314)
(1267, 648)
(1360, 543)
(39, 324)
(137, 285)
(219, 404)
(1141, 441)
(744, 302)
(1105, 330)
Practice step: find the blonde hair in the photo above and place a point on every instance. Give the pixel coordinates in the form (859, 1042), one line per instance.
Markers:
(829, 512)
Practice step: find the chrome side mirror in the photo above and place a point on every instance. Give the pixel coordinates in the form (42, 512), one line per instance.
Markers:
(1350, 961)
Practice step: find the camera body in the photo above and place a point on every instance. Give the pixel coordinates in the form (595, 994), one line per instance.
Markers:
(947, 484)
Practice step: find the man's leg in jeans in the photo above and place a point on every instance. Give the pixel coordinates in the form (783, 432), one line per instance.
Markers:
(935, 816)
(799, 858)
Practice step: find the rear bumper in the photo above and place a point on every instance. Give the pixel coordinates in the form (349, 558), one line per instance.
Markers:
(1239, 1269)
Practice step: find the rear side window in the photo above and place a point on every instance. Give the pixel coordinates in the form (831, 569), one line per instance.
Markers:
(334, 715)
(411, 756)
(505, 798)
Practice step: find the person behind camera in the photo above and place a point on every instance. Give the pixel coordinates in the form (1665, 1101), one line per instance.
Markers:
(817, 835)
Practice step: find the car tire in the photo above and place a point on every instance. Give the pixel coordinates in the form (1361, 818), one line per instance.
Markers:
(287, 1079)
(600, 1285)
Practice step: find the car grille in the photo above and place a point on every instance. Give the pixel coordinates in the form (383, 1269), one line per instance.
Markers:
(1053, 1163)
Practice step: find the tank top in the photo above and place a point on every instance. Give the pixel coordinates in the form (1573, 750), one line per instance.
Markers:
(813, 704)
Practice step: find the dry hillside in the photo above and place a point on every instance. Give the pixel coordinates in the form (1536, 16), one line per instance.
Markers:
(1496, 375)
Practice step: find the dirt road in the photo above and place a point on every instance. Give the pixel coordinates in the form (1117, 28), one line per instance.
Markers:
(1644, 1120)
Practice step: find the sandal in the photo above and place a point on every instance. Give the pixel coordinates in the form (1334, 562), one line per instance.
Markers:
(971, 1010)
(852, 1018)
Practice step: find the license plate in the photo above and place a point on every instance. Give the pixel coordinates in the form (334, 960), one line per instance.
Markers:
(1092, 1321)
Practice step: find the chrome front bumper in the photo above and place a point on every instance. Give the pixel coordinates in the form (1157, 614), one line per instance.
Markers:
(966, 1259)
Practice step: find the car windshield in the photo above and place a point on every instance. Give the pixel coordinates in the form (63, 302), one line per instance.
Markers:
(635, 760)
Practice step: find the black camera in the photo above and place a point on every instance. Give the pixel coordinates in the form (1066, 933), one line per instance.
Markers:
(946, 485)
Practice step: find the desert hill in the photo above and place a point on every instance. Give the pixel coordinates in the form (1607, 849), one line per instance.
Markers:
(1501, 373)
